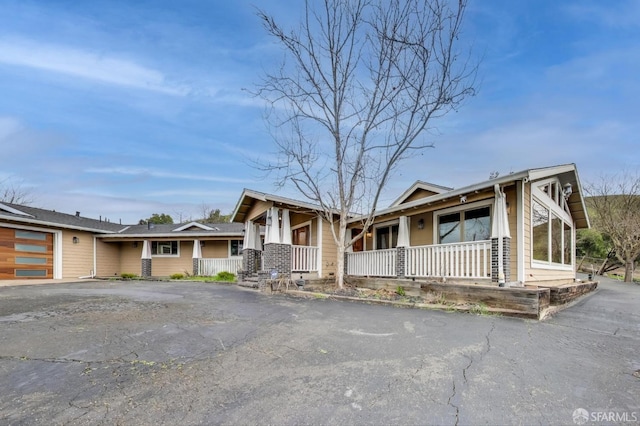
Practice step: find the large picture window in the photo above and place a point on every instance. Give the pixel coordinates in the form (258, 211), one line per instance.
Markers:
(552, 228)
(164, 248)
(468, 225)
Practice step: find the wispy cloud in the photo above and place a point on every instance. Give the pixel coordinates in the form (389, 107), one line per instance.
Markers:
(135, 171)
(86, 64)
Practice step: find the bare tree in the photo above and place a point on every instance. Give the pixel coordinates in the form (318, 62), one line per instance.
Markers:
(615, 210)
(360, 84)
(14, 192)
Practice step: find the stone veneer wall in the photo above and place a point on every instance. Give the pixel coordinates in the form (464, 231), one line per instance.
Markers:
(401, 254)
(278, 257)
(506, 259)
(146, 268)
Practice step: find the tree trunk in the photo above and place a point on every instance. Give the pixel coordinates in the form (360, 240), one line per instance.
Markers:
(340, 265)
(628, 271)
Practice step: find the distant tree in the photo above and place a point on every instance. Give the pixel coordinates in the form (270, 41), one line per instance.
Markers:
(592, 243)
(211, 215)
(14, 192)
(615, 207)
(362, 83)
(157, 219)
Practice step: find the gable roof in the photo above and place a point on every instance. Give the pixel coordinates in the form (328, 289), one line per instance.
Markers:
(244, 203)
(52, 218)
(566, 173)
(420, 185)
(179, 230)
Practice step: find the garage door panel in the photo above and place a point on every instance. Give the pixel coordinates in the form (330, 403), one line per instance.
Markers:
(25, 254)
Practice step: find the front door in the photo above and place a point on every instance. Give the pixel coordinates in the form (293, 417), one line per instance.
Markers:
(301, 236)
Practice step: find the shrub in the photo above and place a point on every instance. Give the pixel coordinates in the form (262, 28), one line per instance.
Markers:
(400, 291)
(128, 276)
(225, 276)
(177, 276)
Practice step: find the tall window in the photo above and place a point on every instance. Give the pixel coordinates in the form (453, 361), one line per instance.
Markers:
(236, 247)
(164, 248)
(468, 225)
(387, 237)
(552, 226)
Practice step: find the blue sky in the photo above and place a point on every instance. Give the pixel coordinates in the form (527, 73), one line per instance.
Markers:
(122, 109)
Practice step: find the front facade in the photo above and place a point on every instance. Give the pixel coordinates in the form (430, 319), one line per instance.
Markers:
(512, 230)
(44, 244)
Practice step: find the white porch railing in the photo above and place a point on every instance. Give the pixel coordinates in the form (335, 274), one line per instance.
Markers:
(210, 267)
(304, 258)
(458, 260)
(374, 263)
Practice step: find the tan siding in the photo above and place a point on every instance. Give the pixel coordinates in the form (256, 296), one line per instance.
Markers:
(130, 262)
(298, 218)
(165, 266)
(418, 194)
(212, 249)
(258, 208)
(329, 250)
(108, 258)
(77, 259)
(421, 237)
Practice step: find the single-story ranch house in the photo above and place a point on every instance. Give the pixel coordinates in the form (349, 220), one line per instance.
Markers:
(510, 230)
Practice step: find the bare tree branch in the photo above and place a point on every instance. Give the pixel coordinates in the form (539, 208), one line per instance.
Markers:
(362, 80)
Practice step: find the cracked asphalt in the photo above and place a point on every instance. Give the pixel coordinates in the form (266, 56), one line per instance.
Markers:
(195, 353)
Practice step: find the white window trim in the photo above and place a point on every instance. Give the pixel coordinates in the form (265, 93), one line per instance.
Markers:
(386, 224)
(165, 255)
(229, 248)
(456, 209)
(554, 209)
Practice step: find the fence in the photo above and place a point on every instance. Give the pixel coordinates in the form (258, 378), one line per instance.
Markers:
(374, 263)
(459, 260)
(210, 267)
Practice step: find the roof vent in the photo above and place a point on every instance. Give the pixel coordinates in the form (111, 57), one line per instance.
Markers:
(77, 214)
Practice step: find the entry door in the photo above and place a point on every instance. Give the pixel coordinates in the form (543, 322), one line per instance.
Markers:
(301, 236)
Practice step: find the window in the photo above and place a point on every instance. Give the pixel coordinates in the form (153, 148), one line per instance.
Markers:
(468, 225)
(164, 248)
(27, 235)
(31, 272)
(236, 247)
(30, 247)
(31, 260)
(540, 221)
(552, 233)
(387, 237)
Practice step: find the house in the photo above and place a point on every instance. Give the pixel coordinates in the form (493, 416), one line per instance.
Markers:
(509, 230)
(40, 243)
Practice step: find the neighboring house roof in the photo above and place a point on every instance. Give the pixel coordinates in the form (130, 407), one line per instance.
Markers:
(420, 186)
(566, 173)
(179, 230)
(43, 217)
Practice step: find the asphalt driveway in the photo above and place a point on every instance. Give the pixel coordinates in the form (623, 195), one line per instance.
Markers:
(194, 353)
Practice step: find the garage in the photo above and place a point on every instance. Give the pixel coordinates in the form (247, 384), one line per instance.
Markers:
(25, 254)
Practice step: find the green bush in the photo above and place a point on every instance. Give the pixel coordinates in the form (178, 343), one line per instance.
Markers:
(400, 291)
(128, 276)
(225, 276)
(177, 276)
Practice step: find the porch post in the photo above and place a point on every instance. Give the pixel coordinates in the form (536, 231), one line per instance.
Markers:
(196, 256)
(401, 248)
(145, 260)
(277, 256)
(249, 252)
(500, 240)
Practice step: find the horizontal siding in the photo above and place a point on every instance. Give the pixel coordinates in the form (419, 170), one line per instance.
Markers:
(108, 259)
(77, 259)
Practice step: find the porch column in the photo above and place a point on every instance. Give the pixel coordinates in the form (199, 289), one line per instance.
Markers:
(277, 256)
(500, 240)
(401, 248)
(196, 256)
(249, 252)
(145, 260)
